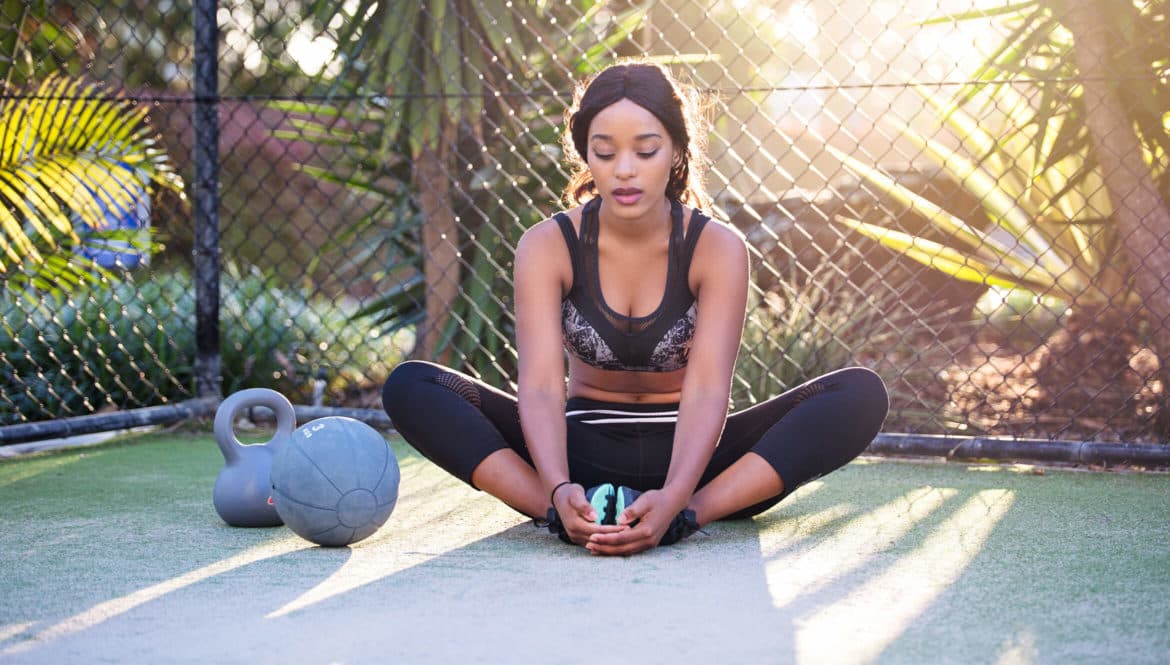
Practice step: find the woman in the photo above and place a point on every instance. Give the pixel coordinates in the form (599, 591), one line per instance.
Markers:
(648, 296)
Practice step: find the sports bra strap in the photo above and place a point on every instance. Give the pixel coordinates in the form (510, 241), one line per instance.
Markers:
(570, 235)
(698, 221)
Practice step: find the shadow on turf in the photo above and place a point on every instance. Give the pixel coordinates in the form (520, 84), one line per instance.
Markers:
(825, 572)
(821, 576)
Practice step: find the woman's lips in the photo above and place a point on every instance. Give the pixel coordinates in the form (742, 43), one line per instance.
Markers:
(627, 196)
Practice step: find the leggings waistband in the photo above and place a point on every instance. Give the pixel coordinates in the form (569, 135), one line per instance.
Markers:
(596, 412)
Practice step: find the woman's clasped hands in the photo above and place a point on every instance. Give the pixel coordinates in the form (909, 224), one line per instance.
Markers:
(639, 527)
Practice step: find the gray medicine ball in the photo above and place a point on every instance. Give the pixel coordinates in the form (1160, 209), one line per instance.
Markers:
(335, 482)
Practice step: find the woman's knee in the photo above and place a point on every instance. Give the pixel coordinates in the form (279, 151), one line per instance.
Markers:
(868, 398)
(403, 385)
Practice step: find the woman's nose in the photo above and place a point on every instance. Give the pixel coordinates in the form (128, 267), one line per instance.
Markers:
(625, 165)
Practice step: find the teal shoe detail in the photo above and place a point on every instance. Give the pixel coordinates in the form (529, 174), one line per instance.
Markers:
(602, 500)
(623, 497)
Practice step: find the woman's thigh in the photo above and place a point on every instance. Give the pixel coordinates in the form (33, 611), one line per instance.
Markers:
(807, 431)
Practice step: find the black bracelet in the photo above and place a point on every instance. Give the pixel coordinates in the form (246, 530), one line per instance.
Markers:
(553, 494)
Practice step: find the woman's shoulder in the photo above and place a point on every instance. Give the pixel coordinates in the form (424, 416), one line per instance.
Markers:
(719, 235)
(542, 248)
(720, 255)
(548, 230)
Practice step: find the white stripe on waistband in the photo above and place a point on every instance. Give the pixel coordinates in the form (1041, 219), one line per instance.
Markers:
(602, 421)
(612, 412)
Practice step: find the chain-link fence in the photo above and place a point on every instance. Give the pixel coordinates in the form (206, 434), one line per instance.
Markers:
(968, 196)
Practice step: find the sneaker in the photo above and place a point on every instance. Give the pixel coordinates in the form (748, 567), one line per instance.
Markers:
(609, 502)
(682, 526)
(553, 522)
(623, 497)
(602, 499)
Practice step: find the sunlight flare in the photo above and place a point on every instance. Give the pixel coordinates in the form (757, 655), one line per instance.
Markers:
(12, 630)
(365, 566)
(110, 609)
(17, 473)
(1019, 649)
(859, 627)
(408, 540)
(797, 574)
(791, 534)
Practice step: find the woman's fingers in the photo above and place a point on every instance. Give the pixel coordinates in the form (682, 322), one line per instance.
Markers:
(578, 516)
(580, 505)
(582, 531)
(630, 540)
(635, 511)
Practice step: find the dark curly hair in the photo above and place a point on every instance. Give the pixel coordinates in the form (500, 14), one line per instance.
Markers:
(651, 86)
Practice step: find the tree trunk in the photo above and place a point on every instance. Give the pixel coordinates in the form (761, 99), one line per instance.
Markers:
(440, 246)
(1142, 217)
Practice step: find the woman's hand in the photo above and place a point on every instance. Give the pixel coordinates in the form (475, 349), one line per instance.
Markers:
(578, 517)
(650, 515)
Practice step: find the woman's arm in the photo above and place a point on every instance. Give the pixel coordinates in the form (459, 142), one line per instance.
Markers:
(719, 278)
(539, 286)
(542, 274)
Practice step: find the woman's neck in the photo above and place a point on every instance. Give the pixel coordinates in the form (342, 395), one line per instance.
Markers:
(635, 229)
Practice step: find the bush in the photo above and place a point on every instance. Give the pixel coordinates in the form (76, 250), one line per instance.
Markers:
(131, 343)
(113, 344)
(282, 338)
(816, 323)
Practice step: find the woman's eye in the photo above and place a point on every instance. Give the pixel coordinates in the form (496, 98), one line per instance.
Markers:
(608, 156)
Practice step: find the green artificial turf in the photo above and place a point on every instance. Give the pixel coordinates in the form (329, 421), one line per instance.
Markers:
(114, 553)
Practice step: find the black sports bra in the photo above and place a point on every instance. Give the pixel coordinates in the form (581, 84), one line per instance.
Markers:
(603, 338)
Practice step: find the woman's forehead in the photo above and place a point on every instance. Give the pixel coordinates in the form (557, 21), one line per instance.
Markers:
(626, 119)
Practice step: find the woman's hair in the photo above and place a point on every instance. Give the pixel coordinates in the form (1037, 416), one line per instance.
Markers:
(651, 86)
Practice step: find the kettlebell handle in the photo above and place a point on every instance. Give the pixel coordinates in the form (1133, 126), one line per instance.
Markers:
(225, 418)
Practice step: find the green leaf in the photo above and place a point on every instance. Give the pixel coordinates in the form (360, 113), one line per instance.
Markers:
(68, 149)
(1025, 244)
(949, 224)
(948, 260)
(626, 23)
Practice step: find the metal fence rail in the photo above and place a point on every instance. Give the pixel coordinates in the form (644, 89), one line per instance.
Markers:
(969, 197)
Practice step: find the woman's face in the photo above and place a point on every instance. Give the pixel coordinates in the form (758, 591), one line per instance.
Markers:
(630, 155)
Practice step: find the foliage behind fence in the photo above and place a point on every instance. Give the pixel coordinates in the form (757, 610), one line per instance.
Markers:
(969, 197)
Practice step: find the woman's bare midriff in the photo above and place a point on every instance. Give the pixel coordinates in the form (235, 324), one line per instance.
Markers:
(624, 387)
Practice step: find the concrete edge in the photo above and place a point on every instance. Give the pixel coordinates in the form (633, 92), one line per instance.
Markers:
(1042, 451)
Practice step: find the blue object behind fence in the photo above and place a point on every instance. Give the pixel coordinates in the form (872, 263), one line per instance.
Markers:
(118, 253)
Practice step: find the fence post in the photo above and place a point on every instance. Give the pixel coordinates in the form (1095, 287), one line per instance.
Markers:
(206, 194)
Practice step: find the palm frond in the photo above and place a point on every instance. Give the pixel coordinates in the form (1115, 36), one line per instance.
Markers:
(70, 153)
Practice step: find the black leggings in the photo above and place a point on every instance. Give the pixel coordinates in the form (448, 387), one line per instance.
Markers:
(456, 421)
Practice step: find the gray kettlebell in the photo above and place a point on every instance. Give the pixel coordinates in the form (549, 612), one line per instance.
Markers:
(243, 490)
